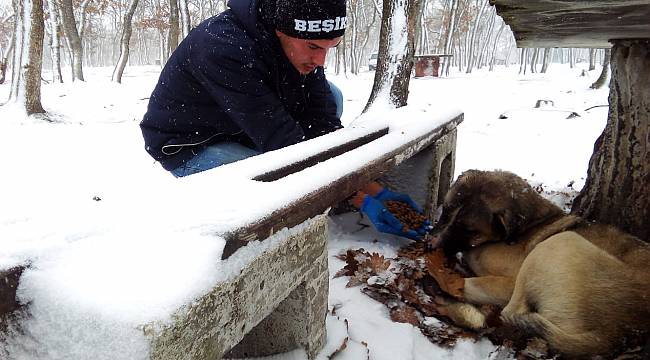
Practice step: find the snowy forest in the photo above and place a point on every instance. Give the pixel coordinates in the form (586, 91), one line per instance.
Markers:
(118, 33)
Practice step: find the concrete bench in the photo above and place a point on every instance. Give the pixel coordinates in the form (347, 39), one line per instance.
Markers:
(278, 301)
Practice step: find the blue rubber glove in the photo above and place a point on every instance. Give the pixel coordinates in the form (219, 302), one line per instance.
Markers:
(383, 220)
(388, 195)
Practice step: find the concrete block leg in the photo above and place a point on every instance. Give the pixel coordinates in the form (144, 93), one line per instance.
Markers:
(297, 322)
(427, 175)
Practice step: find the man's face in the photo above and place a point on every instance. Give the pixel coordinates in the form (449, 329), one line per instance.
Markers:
(304, 54)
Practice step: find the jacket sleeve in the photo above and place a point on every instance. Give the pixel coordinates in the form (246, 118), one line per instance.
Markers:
(319, 116)
(233, 75)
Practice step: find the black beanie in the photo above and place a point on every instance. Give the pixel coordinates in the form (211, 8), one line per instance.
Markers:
(311, 19)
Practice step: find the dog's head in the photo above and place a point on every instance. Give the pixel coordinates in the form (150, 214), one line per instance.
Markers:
(488, 206)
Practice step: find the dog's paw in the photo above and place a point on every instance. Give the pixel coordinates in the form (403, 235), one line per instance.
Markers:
(464, 315)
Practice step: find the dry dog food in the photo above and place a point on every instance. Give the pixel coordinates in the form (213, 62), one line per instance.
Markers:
(406, 214)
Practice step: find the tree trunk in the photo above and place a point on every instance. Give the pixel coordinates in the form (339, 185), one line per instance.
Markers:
(602, 79)
(29, 29)
(172, 36)
(4, 62)
(616, 191)
(396, 50)
(486, 39)
(523, 60)
(494, 46)
(449, 38)
(533, 61)
(471, 48)
(186, 23)
(124, 42)
(74, 40)
(55, 45)
(547, 59)
(592, 59)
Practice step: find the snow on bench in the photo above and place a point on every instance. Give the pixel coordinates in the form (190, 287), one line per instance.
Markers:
(145, 281)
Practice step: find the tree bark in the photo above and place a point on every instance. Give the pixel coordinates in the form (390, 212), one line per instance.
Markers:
(186, 23)
(616, 190)
(494, 46)
(592, 59)
(29, 29)
(4, 62)
(74, 40)
(547, 59)
(124, 42)
(172, 36)
(602, 79)
(471, 48)
(396, 50)
(533, 61)
(523, 61)
(55, 44)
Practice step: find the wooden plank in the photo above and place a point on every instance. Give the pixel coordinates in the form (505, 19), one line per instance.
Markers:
(319, 200)
(571, 23)
(313, 160)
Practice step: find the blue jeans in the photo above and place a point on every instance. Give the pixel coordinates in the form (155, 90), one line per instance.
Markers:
(227, 152)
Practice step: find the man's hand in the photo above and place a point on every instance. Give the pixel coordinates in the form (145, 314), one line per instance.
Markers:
(387, 195)
(383, 220)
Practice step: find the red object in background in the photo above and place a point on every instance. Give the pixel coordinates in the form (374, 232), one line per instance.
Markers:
(427, 65)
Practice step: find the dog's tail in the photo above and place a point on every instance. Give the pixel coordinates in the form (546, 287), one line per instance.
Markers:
(570, 344)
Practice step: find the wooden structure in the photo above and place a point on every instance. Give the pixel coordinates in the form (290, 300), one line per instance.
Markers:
(616, 190)
(278, 300)
(570, 23)
(428, 64)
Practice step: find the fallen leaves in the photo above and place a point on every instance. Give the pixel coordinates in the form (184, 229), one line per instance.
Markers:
(361, 266)
(449, 281)
(405, 286)
(417, 284)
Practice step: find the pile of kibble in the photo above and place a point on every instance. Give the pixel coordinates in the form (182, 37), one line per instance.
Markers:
(406, 214)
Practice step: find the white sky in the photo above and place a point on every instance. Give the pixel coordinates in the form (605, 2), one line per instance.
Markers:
(159, 228)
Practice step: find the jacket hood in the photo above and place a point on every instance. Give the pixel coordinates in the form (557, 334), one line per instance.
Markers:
(255, 15)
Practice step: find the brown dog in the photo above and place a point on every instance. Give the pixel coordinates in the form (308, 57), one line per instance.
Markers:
(581, 286)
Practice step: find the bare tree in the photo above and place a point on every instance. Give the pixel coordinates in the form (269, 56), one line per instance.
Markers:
(472, 40)
(592, 59)
(616, 191)
(452, 24)
(28, 55)
(55, 40)
(523, 60)
(547, 59)
(186, 23)
(533, 61)
(496, 42)
(124, 42)
(604, 74)
(172, 36)
(396, 50)
(74, 40)
(4, 61)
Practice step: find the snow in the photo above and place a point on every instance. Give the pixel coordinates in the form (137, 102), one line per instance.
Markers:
(114, 241)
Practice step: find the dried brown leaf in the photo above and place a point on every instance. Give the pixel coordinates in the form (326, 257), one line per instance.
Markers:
(449, 280)
(376, 264)
(355, 281)
(405, 314)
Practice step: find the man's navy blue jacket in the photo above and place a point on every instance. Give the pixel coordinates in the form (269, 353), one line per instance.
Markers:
(229, 80)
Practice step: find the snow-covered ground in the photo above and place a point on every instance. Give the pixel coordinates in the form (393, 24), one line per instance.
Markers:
(94, 149)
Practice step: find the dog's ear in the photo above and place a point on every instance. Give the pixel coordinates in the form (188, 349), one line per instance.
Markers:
(504, 224)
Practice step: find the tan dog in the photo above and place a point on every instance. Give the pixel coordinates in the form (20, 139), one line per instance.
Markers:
(581, 286)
